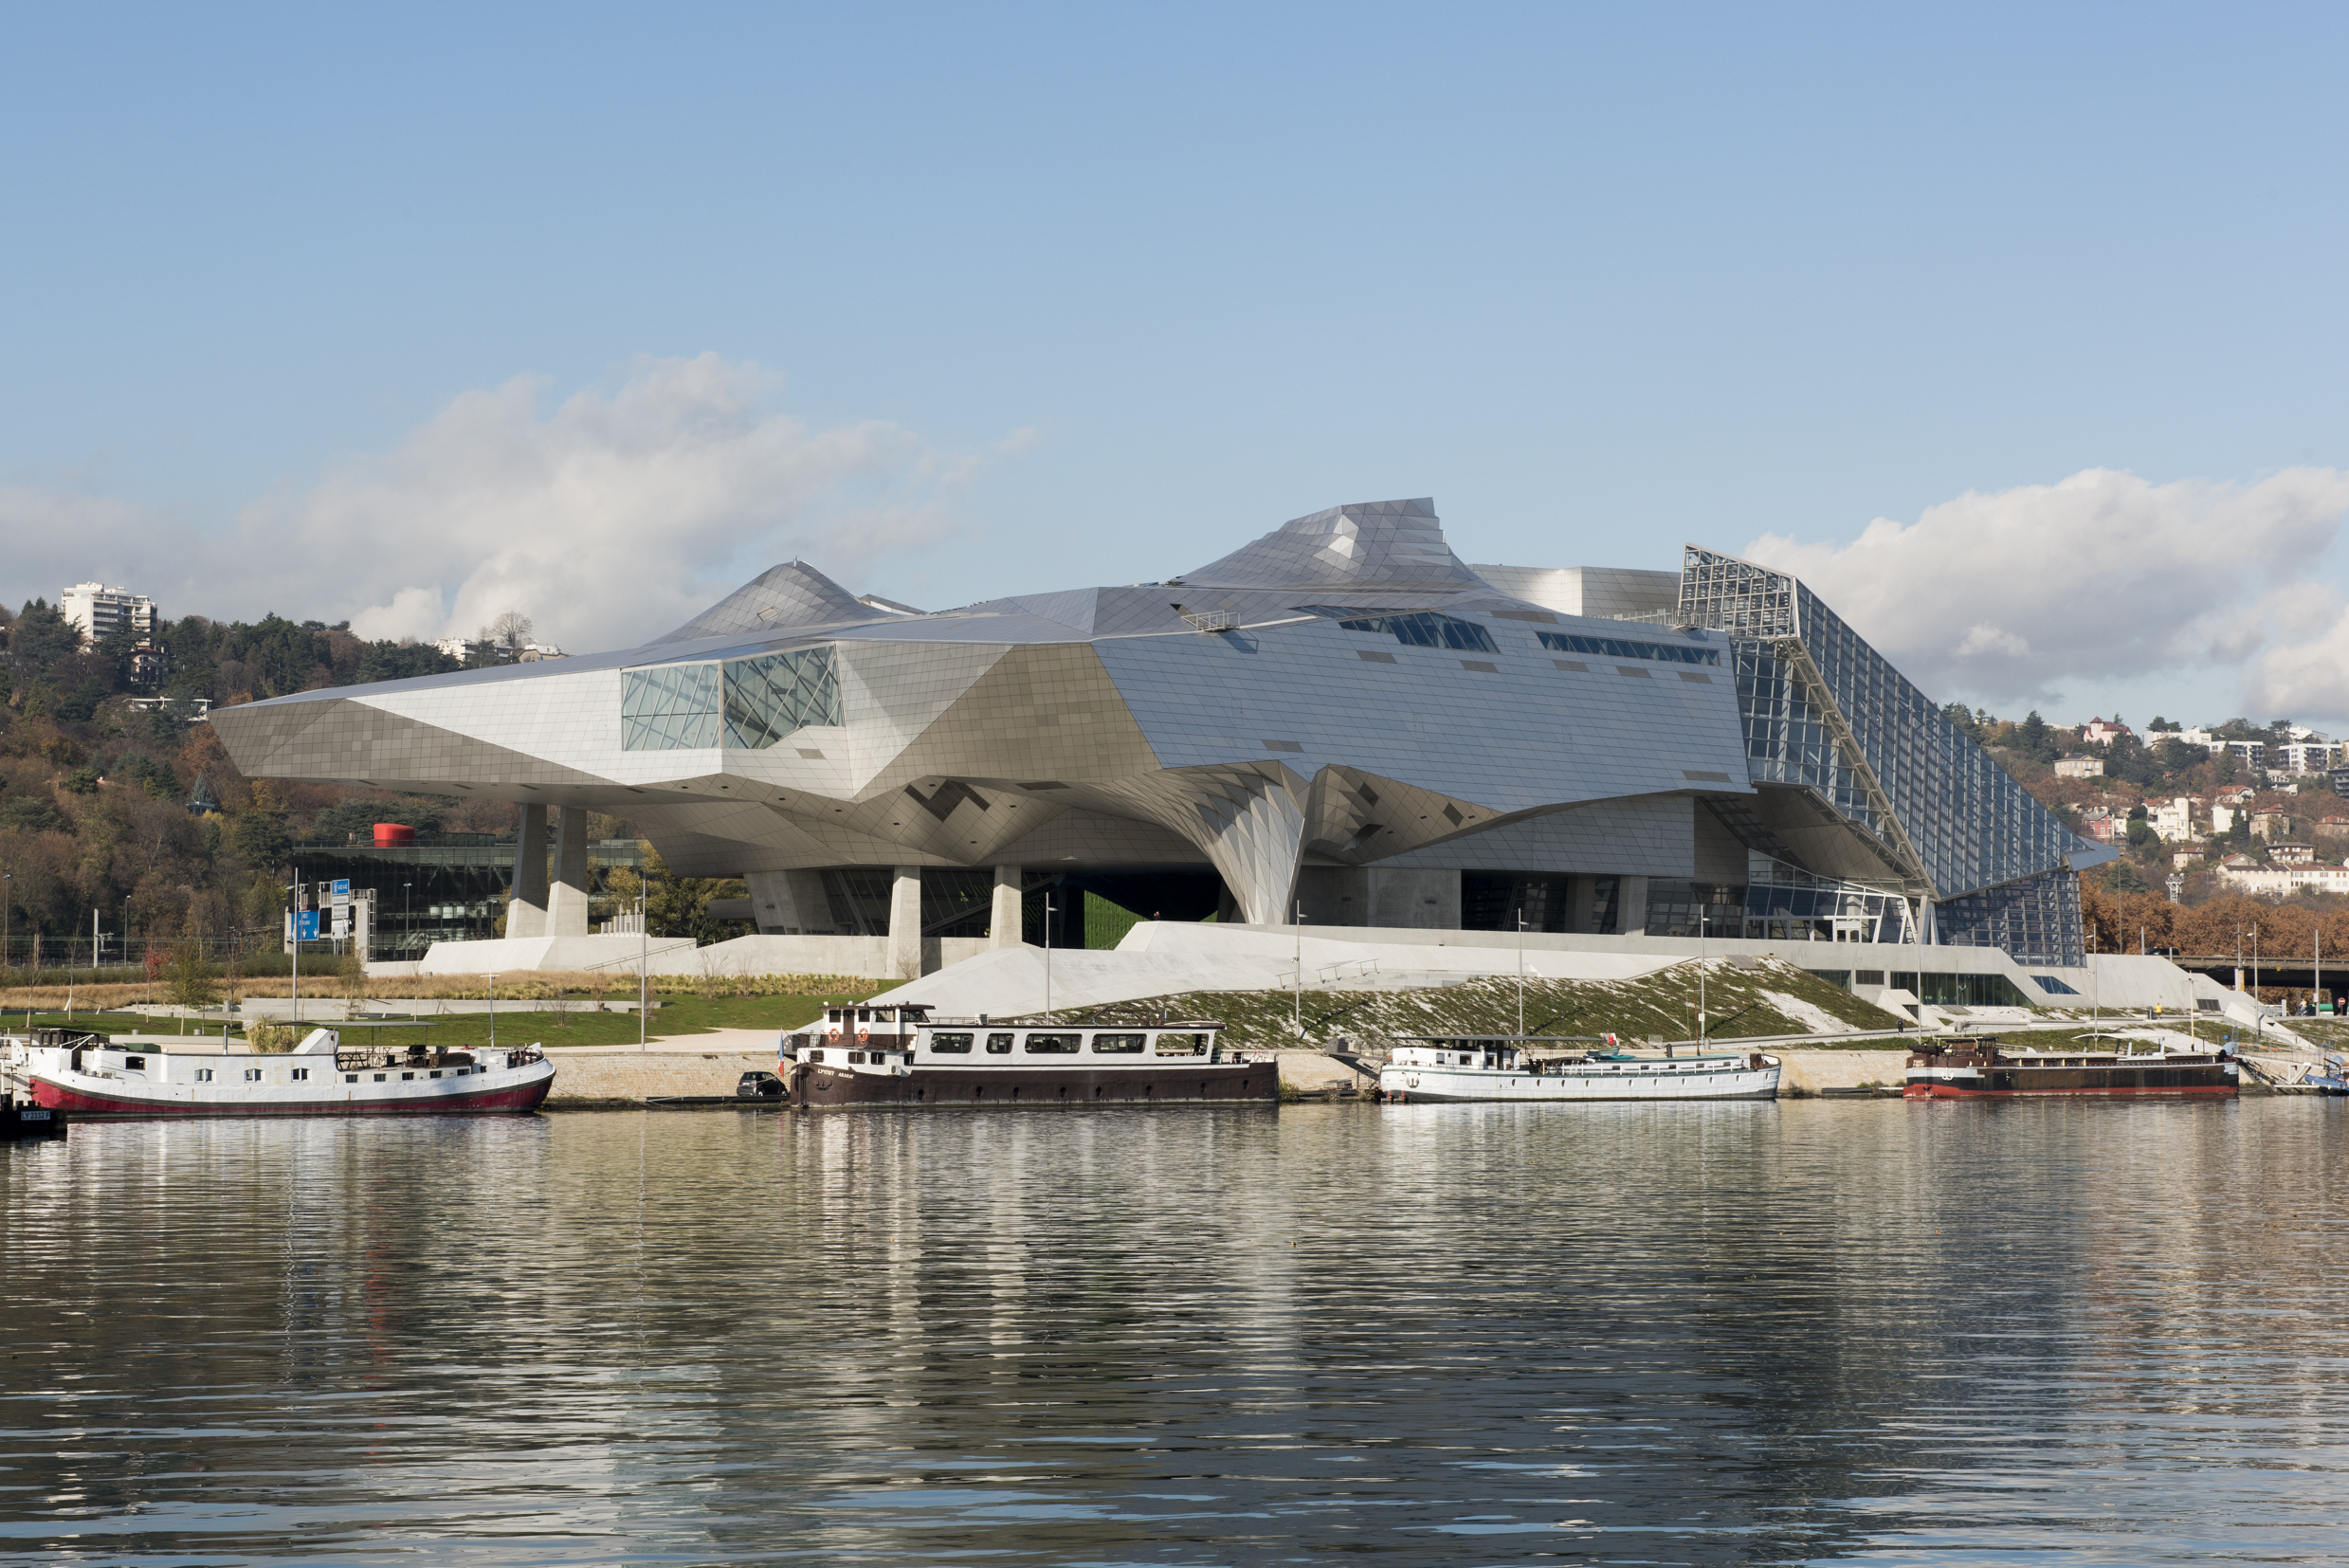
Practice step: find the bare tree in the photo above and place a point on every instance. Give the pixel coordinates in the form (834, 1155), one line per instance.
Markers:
(510, 628)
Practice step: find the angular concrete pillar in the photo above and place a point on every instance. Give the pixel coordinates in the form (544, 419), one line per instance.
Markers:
(567, 895)
(526, 915)
(1582, 904)
(1006, 920)
(789, 903)
(904, 954)
(1630, 906)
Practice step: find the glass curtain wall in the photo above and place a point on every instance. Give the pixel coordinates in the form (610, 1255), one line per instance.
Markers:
(1973, 829)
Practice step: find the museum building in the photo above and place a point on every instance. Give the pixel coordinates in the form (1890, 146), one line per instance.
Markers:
(1340, 722)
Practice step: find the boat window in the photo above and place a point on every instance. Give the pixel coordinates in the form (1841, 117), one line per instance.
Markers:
(402, 1075)
(815, 1056)
(864, 1015)
(856, 1056)
(135, 1064)
(379, 1078)
(252, 1075)
(1181, 1045)
(348, 1077)
(951, 1045)
(204, 1075)
(301, 1075)
(998, 1044)
(1117, 1045)
(1053, 1045)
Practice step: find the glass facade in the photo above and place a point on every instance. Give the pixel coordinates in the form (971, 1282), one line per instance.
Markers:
(746, 704)
(1825, 711)
(673, 707)
(2036, 919)
(1421, 629)
(768, 698)
(1616, 648)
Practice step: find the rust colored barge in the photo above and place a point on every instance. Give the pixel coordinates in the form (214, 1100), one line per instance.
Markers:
(1981, 1069)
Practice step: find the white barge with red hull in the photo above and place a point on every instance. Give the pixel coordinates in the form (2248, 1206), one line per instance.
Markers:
(901, 1056)
(90, 1078)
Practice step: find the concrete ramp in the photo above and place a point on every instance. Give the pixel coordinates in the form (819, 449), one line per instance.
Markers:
(1166, 957)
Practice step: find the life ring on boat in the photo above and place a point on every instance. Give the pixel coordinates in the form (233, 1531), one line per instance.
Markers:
(863, 1035)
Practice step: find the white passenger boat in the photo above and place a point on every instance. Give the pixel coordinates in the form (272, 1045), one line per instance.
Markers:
(1480, 1067)
(90, 1077)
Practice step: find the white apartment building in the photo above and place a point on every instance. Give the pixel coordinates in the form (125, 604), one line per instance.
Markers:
(2305, 756)
(99, 611)
(2078, 767)
(2276, 880)
(2174, 820)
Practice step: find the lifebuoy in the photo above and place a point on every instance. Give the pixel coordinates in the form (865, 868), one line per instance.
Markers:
(863, 1035)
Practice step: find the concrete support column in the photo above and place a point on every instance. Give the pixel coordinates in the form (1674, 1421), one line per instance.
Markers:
(789, 903)
(1006, 921)
(1630, 906)
(526, 915)
(1582, 904)
(567, 895)
(904, 956)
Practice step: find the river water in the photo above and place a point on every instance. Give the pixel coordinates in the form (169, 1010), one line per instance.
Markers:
(1866, 1332)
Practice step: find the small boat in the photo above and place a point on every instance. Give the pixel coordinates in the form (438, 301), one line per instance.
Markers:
(27, 1120)
(1980, 1067)
(1550, 1069)
(2332, 1080)
(903, 1056)
(89, 1076)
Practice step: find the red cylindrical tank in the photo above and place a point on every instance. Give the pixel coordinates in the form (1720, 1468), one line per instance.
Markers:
(388, 834)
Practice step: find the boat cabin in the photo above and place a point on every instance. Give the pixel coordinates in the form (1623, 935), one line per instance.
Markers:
(912, 1038)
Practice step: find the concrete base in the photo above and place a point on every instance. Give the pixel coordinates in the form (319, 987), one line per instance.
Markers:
(867, 958)
(508, 955)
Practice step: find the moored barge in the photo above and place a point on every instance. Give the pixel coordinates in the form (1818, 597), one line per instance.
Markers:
(92, 1078)
(1551, 1070)
(901, 1055)
(1982, 1069)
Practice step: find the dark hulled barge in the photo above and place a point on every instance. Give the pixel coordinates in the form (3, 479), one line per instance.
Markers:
(903, 1056)
(1981, 1069)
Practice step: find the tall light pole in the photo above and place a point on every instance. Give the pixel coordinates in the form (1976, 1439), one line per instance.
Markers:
(644, 959)
(1298, 1023)
(1047, 954)
(493, 1011)
(1521, 976)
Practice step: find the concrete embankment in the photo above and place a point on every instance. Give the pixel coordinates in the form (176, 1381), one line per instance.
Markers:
(1809, 1072)
(590, 1077)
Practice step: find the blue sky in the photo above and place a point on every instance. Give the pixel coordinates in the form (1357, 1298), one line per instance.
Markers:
(957, 301)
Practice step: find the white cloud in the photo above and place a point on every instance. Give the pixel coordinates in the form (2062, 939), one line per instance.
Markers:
(2102, 577)
(611, 518)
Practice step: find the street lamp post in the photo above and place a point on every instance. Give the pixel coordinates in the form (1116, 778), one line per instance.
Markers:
(493, 1011)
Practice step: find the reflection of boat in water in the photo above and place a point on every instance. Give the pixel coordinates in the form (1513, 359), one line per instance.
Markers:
(901, 1056)
(89, 1076)
(1508, 1066)
(1980, 1069)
